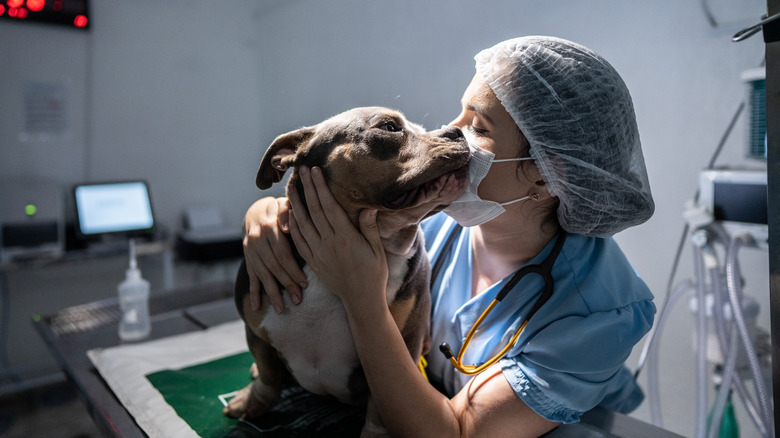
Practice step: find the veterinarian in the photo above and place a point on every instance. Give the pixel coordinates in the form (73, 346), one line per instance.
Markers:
(567, 111)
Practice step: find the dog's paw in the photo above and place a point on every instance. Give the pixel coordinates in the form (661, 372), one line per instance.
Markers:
(245, 405)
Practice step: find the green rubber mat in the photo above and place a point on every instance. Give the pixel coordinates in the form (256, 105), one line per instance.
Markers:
(198, 393)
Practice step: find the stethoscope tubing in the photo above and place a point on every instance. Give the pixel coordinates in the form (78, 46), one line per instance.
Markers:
(543, 269)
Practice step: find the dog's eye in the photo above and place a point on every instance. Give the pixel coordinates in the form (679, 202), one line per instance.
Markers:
(391, 127)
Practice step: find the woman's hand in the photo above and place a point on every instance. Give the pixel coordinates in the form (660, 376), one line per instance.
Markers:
(269, 257)
(350, 262)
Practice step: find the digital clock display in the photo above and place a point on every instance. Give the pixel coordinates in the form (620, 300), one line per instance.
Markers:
(71, 13)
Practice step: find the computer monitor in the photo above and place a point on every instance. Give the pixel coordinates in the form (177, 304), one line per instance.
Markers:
(737, 198)
(113, 208)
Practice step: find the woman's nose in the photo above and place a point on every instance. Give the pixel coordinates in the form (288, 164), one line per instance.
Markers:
(459, 121)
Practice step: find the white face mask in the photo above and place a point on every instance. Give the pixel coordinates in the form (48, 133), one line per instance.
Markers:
(469, 209)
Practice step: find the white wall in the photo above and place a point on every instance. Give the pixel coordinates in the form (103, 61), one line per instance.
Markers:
(163, 91)
(43, 54)
(187, 94)
(175, 100)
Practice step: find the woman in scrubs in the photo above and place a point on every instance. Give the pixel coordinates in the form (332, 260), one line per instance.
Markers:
(567, 114)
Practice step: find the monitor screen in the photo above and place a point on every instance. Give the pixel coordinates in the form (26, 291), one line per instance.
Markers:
(121, 207)
(738, 202)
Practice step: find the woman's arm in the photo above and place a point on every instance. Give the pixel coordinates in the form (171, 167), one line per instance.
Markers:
(269, 257)
(486, 407)
(351, 263)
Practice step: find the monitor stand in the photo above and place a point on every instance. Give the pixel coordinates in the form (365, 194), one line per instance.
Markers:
(109, 245)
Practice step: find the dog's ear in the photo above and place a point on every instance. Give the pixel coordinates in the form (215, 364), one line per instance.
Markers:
(280, 156)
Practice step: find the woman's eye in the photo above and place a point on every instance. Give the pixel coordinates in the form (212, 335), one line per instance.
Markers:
(476, 131)
(390, 127)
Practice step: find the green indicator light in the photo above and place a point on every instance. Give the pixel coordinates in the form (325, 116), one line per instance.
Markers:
(30, 209)
(36, 318)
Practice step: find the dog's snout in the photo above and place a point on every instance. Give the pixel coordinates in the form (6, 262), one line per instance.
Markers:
(451, 132)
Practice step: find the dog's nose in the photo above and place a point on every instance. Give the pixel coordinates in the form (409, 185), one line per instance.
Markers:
(451, 132)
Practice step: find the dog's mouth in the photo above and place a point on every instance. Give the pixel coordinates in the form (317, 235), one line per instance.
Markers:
(425, 192)
(403, 200)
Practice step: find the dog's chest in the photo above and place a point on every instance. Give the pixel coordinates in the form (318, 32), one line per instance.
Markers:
(314, 337)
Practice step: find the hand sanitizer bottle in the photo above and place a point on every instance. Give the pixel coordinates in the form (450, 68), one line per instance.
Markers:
(134, 303)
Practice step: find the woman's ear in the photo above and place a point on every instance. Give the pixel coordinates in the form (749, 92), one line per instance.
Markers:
(532, 174)
(541, 189)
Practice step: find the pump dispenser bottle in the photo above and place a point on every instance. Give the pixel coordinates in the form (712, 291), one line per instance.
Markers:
(134, 303)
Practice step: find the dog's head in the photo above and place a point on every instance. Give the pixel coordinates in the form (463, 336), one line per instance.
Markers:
(374, 158)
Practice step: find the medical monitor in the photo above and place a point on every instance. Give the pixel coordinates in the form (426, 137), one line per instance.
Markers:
(113, 208)
(738, 200)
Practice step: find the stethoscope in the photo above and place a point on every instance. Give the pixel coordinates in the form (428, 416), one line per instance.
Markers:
(543, 269)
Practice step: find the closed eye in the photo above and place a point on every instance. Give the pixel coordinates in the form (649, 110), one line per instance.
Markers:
(477, 131)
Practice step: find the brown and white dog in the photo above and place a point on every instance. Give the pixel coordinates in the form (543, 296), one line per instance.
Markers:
(371, 158)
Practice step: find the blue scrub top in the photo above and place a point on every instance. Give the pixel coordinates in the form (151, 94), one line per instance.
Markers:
(570, 357)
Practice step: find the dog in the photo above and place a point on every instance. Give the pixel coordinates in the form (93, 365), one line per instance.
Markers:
(371, 157)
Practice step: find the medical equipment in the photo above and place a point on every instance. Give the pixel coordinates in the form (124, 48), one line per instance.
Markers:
(737, 198)
(105, 209)
(31, 220)
(756, 134)
(206, 236)
(134, 302)
(729, 213)
(768, 24)
(543, 269)
(469, 209)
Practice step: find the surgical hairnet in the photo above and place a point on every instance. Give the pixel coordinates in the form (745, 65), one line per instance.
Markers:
(577, 115)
